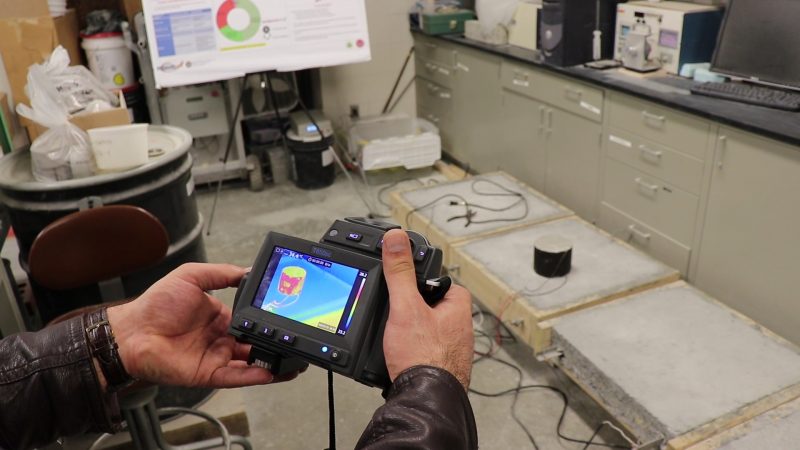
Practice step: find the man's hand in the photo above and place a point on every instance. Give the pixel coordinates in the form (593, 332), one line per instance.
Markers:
(417, 334)
(177, 334)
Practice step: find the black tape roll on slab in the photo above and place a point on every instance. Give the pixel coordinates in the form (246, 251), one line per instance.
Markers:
(552, 256)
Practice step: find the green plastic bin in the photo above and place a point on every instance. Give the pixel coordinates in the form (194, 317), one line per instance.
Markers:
(446, 23)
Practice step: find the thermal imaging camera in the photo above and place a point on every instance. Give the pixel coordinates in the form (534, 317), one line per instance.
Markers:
(326, 303)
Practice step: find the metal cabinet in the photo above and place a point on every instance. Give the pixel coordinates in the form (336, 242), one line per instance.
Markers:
(522, 140)
(551, 142)
(655, 169)
(573, 161)
(748, 256)
(477, 109)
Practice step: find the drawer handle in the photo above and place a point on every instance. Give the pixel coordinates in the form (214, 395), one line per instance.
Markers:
(433, 118)
(650, 118)
(640, 234)
(541, 119)
(462, 67)
(444, 71)
(650, 155)
(523, 83)
(723, 141)
(573, 94)
(431, 67)
(432, 89)
(650, 187)
(445, 95)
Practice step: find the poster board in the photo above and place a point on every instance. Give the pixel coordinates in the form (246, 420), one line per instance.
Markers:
(198, 41)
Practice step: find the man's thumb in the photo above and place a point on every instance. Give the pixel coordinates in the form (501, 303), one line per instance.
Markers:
(398, 268)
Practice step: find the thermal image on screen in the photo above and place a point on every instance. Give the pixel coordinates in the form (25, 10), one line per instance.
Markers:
(310, 290)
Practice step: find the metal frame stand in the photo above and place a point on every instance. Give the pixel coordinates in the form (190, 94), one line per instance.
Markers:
(142, 417)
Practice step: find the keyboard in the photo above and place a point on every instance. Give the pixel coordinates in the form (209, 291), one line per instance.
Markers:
(752, 94)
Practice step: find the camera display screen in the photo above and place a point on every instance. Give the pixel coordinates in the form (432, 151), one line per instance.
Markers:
(310, 290)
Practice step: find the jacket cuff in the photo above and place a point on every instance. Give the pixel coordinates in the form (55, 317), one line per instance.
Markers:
(426, 407)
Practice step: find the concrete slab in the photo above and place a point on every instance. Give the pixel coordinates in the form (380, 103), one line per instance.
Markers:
(776, 429)
(669, 361)
(420, 210)
(499, 271)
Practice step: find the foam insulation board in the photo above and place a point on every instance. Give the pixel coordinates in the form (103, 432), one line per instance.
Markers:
(419, 209)
(674, 365)
(498, 270)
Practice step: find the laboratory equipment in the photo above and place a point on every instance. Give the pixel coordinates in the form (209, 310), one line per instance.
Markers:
(667, 34)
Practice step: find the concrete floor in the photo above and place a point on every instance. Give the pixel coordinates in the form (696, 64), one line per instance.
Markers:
(294, 415)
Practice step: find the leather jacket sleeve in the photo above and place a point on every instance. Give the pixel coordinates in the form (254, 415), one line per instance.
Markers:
(49, 388)
(427, 408)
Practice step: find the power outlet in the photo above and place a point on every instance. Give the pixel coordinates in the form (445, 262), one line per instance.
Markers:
(355, 112)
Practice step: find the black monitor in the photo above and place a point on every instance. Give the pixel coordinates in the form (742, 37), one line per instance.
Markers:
(760, 42)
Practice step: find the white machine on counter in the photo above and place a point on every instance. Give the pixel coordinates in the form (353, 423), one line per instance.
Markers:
(524, 28)
(668, 34)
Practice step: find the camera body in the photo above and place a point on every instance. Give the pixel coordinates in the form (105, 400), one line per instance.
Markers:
(326, 303)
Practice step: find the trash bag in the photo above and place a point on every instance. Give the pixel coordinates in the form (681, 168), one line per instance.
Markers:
(76, 86)
(492, 13)
(63, 151)
(103, 21)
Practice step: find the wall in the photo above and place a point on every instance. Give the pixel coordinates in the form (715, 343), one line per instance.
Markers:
(369, 84)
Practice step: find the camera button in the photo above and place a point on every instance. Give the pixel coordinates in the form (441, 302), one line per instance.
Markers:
(420, 253)
(355, 237)
(247, 324)
(267, 331)
(333, 233)
(287, 338)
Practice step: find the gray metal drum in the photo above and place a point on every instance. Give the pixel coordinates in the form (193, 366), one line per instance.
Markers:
(164, 187)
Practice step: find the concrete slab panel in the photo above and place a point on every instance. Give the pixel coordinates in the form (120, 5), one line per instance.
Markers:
(601, 264)
(776, 429)
(670, 360)
(478, 191)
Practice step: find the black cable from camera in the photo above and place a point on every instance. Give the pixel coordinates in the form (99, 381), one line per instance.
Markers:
(520, 388)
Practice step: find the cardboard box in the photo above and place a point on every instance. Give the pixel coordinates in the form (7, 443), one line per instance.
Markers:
(131, 8)
(110, 118)
(28, 35)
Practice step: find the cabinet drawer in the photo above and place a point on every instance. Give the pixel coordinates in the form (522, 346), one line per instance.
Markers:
(644, 238)
(436, 72)
(661, 205)
(435, 51)
(434, 98)
(657, 160)
(578, 98)
(683, 132)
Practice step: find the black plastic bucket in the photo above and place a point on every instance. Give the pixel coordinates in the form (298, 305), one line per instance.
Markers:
(312, 161)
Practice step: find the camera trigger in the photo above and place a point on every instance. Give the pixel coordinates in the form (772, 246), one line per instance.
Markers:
(435, 289)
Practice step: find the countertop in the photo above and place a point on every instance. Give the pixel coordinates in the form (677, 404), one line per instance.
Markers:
(668, 90)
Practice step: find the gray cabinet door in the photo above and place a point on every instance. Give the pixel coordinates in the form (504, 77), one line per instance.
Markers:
(477, 108)
(750, 249)
(573, 161)
(521, 145)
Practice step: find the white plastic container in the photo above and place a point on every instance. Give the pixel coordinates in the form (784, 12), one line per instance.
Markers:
(110, 60)
(394, 141)
(119, 148)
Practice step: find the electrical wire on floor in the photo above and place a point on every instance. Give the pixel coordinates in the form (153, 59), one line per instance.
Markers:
(470, 208)
(520, 388)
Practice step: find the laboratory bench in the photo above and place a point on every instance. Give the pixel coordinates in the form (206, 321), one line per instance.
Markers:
(707, 186)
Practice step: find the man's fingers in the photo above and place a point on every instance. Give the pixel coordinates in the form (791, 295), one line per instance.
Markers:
(209, 277)
(237, 376)
(241, 351)
(398, 268)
